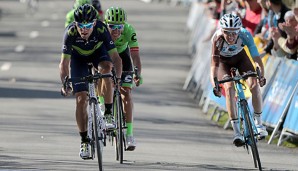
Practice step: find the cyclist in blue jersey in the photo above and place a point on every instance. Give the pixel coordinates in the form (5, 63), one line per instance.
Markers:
(87, 40)
(125, 38)
(228, 51)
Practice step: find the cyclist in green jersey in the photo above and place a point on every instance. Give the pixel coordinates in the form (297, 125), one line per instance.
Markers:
(124, 36)
(95, 3)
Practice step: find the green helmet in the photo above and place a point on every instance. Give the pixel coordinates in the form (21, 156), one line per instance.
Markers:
(115, 15)
(80, 3)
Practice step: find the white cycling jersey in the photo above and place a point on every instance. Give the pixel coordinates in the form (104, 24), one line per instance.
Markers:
(244, 38)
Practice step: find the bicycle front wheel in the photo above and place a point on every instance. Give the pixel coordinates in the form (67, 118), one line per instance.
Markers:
(251, 138)
(98, 135)
(119, 135)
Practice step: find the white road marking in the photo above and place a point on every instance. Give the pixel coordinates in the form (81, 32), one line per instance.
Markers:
(6, 66)
(45, 23)
(19, 48)
(34, 34)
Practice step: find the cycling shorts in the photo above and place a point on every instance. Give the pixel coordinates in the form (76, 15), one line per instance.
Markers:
(79, 67)
(240, 61)
(126, 79)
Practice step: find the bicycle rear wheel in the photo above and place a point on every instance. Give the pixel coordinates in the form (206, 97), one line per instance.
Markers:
(98, 135)
(119, 134)
(251, 138)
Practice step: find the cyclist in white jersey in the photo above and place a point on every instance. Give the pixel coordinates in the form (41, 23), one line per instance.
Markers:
(228, 51)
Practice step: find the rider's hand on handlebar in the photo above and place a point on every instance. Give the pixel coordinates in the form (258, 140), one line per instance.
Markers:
(217, 92)
(66, 92)
(262, 81)
(138, 80)
(66, 89)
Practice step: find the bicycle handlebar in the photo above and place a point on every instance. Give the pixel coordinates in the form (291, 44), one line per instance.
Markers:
(88, 78)
(238, 77)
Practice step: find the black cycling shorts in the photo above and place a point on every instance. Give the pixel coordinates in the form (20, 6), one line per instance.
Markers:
(79, 67)
(126, 79)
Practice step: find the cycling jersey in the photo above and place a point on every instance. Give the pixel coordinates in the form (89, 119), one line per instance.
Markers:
(227, 50)
(127, 38)
(99, 38)
(81, 51)
(125, 43)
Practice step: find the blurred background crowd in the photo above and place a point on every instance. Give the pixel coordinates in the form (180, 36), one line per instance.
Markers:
(273, 23)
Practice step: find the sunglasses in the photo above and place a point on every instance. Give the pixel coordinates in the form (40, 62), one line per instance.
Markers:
(116, 26)
(86, 26)
(231, 32)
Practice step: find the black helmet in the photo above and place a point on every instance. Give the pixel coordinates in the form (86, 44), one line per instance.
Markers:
(85, 14)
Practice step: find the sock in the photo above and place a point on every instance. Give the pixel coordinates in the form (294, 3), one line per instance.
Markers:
(258, 119)
(235, 125)
(84, 137)
(101, 100)
(129, 130)
(108, 108)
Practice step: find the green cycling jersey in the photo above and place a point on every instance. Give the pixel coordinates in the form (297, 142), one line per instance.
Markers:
(127, 38)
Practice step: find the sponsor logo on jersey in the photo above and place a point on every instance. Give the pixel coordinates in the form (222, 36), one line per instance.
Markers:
(127, 78)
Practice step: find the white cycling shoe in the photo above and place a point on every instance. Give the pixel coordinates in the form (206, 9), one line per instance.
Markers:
(262, 131)
(130, 143)
(85, 150)
(238, 140)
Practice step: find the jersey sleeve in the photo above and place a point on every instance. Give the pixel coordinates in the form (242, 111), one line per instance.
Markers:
(249, 42)
(69, 33)
(132, 37)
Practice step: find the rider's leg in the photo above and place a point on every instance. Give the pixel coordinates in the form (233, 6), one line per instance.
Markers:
(231, 106)
(257, 101)
(81, 114)
(106, 89)
(127, 108)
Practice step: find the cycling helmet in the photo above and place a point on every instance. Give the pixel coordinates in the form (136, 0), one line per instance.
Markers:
(96, 4)
(230, 21)
(80, 3)
(85, 14)
(115, 15)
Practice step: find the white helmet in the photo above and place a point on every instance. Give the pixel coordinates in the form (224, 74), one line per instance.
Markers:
(230, 21)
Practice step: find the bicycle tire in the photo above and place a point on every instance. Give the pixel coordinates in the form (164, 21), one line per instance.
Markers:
(119, 131)
(251, 137)
(97, 135)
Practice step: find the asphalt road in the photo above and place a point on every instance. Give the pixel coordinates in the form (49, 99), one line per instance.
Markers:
(37, 126)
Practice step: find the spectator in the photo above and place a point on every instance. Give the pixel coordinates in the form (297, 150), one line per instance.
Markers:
(289, 44)
(253, 15)
(279, 9)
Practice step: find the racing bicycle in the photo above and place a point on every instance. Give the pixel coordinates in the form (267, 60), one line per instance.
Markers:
(245, 117)
(96, 124)
(119, 133)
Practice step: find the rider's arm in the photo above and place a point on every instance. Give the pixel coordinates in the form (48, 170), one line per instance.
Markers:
(66, 53)
(135, 55)
(134, 47)
(117, 61)
(64, 66)
(214, 57)
(249, 42)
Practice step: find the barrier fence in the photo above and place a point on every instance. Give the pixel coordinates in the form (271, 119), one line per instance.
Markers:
(280, 95)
